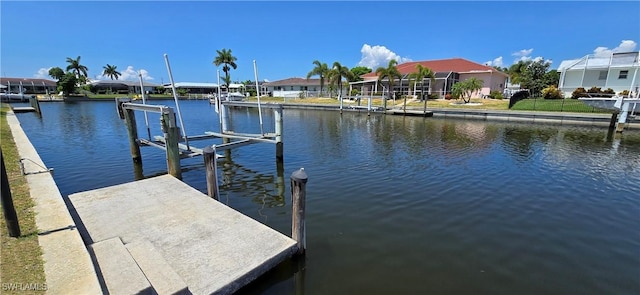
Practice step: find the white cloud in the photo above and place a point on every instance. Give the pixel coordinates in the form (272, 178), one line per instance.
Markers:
(43, 73)
(625, 46)
(496, 62)
(378, 56)
(129, 74)
(523, 53)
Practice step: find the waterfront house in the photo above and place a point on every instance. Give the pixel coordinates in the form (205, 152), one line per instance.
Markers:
(121, 86)
(618, 71)
(447, 72)
(294, 87)
(27, 85)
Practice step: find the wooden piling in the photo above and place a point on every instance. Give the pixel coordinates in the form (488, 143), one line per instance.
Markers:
(35, 104)
(298, 195)
(171, 137)
(278, 130)
(210, 162)
(119, 102)
(614, 118)
(132, 129)
(10, 216)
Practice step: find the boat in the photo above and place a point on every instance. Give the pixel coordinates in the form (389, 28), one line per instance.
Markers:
(15, 97)
(232, 96)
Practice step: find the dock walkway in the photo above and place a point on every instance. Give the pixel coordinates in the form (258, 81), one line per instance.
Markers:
(170, 238)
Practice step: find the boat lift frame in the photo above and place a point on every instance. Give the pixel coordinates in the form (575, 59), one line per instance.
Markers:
(170, 141)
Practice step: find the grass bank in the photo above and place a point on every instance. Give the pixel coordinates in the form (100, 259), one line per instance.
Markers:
(556, 105)
(21, 260)
(539, 104)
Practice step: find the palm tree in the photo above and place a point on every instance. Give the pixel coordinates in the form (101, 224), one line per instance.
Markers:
(419, 75)
(111, 72)
(225, 57)
(464, 89)
(338, 72)
(321, 69)
(390, 73)
(77, 68)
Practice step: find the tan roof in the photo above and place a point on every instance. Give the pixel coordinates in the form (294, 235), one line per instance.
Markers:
(458, 65)
(26, 81)
(295, 82)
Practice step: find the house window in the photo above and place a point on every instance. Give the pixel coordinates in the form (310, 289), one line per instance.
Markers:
(291, 87)
(603, 75)
(623, 74)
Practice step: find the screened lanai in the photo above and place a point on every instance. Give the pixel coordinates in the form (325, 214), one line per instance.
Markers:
(441, 86)
(618, 71)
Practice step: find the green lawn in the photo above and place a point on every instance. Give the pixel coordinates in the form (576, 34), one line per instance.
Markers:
(556, 105)
(21, 260)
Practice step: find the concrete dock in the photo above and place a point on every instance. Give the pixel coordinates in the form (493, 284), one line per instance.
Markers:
(160, 235)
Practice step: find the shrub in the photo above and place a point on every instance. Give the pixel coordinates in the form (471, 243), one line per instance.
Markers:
(579, 92)
(447, 96)
(552, 92)
(432, 96)
(594, 90)
(609, 91)
(624, 93)
(354, 92)
(495, 94)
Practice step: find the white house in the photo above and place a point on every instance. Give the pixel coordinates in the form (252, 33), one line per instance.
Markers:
(618, 71)
(294, 87)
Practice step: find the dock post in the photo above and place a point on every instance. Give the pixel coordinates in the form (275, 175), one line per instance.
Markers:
(171, 137)
(224, 112)
(424, 109)
(298, 195)
(10, 216)
(35, 104)
(119, 102)
(280, 180)
(278, 122)
(210, 162)
(614, 118)
(369, 106)
(404, 106)
(622, 118)
(132, 128)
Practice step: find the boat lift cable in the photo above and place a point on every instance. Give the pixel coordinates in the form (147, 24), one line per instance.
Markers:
(144, 101)
(255, 73)
(175, 97)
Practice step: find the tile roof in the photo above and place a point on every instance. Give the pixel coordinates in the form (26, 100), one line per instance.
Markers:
(458, 65)
(26, 81)
(295, 82)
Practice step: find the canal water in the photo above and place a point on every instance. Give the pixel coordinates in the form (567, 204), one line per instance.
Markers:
(399, 205)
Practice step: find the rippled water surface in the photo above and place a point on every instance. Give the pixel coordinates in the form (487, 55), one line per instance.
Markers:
(400, 205)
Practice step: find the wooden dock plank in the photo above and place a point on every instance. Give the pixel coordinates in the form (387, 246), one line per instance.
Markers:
(212, 247)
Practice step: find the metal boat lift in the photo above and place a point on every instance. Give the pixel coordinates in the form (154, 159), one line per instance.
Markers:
(171, 139)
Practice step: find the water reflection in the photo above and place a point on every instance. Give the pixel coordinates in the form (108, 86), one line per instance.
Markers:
(266, 190)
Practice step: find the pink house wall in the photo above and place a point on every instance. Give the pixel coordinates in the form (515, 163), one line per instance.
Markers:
(492, 81)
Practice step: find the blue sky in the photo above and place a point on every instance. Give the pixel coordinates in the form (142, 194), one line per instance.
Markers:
(286, 37)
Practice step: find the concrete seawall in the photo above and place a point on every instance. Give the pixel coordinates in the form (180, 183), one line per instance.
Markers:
(562, 118)
(68, 266)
